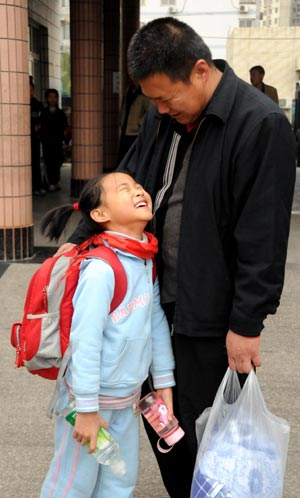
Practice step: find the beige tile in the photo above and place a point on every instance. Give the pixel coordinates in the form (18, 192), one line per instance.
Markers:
(1, 178)
(7, 119)
(5, 95)
(3, 23)
(14, 88)
(11, 26)
(19, 19)
(15, 181)
(7, 176)
(6, 149)
(4, 66)
(1, 212)
(8, 212)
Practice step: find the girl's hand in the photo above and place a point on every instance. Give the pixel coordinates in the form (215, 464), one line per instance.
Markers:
(166, 395)
(86, 429)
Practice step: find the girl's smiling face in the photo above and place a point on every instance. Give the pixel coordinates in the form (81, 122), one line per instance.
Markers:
(125, 206)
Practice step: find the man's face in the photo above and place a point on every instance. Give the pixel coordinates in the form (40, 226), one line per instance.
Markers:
(256, 77)
(52, 99)
(184, 102)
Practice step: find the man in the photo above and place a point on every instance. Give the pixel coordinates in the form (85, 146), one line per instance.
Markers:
(36, 110)
(257, 74)
(133, 109)
(218, 159)
(54, 126)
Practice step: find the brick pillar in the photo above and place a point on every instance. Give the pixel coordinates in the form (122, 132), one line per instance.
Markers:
(111, 82)
(86, 18)
(16, 225)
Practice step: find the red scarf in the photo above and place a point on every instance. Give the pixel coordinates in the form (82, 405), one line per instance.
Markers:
(144, 250)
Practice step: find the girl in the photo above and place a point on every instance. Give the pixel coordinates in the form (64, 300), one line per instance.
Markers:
(111, 354)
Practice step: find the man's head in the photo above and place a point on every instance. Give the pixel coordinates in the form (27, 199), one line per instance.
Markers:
(167, 46)
(257, 75)
(174, 68)
(51, 96)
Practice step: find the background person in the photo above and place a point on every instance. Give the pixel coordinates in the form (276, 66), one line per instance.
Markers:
(133, 109)
(54, 126)
(36, 111)
(218, 158)
(257, 74)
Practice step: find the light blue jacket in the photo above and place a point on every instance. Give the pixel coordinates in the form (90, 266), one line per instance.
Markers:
(112, 354)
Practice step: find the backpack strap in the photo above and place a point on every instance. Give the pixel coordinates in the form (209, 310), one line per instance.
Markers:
(108, 255)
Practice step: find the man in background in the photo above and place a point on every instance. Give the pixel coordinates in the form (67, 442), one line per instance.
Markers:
(54, 126)
(36, 110)
(257, 74)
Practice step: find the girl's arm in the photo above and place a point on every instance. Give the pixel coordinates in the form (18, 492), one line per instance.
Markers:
(162, 364)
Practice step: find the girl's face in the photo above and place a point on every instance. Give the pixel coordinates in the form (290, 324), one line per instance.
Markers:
(125, 206)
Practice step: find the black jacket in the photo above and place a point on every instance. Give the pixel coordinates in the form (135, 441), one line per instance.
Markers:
(236, 209)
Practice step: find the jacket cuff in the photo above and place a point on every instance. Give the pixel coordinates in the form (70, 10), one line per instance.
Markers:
(245, 326)
(87, 403)
(162, 380)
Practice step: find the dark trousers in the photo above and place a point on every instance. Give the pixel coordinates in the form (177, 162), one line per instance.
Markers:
(200, 367)
(53, 157)
(35, 164)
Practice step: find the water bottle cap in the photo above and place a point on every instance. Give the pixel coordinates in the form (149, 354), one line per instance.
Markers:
(175, 436)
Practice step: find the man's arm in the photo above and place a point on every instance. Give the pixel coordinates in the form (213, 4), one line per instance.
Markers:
(263, 186)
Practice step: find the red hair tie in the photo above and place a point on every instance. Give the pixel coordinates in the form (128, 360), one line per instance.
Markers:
(76, 206)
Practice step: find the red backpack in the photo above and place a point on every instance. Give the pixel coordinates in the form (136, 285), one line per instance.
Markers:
(42, 338)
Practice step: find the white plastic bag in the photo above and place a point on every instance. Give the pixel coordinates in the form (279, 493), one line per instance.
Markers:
(243, 450)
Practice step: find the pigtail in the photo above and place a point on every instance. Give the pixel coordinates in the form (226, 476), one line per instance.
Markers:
(55, 221)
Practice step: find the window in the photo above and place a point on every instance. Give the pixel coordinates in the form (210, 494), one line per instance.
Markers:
(167, 2)
(66, 31)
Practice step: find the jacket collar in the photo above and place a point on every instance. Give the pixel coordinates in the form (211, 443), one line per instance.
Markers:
(221, 103)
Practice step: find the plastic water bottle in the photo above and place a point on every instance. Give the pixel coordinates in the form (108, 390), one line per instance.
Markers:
(107, 449)
(155, 411)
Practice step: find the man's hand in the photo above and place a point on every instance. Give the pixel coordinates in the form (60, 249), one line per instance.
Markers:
(86, 429)
(243, 352)
(64, 248)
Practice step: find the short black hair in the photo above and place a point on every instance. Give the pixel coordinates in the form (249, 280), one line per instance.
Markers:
(260, 69)
(165, 45)
(51, 90)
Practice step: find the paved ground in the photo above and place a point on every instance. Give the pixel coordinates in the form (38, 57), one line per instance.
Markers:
(26, 433)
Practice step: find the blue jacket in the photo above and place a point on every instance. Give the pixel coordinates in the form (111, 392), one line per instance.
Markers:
(112, 354)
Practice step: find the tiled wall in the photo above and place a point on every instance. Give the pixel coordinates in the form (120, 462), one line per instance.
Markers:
(16, 234)
(86, 22)
(16, 223)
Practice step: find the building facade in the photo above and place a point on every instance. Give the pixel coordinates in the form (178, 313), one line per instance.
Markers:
(30, 44)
